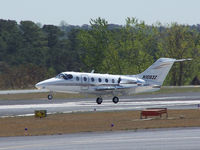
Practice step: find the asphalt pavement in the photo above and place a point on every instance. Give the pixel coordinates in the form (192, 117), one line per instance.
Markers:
(156, 139)
(153, 139)
(190, 100)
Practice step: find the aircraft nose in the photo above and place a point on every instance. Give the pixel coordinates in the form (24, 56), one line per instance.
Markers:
(46, 83)
(39, 85)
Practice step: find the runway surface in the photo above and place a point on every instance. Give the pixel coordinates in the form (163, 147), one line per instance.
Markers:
(138, 102)
(157, 139)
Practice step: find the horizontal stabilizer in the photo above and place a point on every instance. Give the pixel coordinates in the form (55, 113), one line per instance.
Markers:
(178, 60)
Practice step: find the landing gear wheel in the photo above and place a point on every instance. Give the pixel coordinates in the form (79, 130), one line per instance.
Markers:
(99, 100)
(115, 99)
(50, 97)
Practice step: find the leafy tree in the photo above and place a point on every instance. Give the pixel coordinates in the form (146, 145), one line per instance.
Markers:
(178, 42)
(94, 43)
(30, 52)
(10, 40)
(34, 44)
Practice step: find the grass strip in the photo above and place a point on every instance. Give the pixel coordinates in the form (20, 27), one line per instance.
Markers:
(95, 121)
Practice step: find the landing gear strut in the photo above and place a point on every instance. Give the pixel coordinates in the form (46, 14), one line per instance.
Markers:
(115, 99)
(99, 100)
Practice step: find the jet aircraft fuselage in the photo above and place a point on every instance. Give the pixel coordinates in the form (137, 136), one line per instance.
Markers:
(102, 84)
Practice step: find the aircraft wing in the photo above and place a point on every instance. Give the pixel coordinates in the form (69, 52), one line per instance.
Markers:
(117, 87)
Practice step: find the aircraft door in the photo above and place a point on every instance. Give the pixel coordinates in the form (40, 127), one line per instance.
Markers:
(85, 82)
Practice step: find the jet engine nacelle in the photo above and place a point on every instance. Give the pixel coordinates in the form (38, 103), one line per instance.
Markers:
(130, 80)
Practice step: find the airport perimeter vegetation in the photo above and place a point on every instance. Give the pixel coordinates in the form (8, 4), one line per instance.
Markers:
(96, 121)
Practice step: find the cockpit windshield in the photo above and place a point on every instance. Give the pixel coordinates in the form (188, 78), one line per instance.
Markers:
(64, 76)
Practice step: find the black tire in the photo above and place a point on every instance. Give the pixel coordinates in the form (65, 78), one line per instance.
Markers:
(50, 97)
(99, 100)
(115, 99)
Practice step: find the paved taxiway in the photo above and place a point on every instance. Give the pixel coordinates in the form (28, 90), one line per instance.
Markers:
(157, 139)
(138, 102)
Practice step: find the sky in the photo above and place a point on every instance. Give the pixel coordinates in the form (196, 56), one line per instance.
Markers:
(79, 12)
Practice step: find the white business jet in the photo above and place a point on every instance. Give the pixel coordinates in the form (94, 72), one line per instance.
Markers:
(103, 84)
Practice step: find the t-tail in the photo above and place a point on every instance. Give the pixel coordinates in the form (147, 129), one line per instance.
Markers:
(158, 71)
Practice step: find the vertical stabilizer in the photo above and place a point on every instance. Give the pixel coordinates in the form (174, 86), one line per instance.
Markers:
(158, 71)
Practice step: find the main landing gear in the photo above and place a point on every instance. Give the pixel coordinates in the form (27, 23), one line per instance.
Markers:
(115, 100)
(99, 100)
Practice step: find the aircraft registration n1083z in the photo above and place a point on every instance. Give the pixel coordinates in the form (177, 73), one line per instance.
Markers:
(103, 84)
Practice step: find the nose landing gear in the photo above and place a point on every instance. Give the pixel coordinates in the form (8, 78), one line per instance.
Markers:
(50, 97)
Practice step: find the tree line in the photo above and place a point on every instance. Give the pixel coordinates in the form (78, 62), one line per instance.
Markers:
(30, 52)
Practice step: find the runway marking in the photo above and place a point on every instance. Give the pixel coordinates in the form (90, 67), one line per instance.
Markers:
(85, 103)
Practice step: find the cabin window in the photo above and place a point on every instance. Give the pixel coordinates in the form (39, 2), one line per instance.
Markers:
(106, 80)
(99, 79)
(113, 81)
(85, 79)
(77, 78)
(92, 79)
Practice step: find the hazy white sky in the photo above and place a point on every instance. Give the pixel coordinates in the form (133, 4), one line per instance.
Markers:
(78, 12)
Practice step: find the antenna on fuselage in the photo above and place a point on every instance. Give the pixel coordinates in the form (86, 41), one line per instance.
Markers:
(92, 71)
